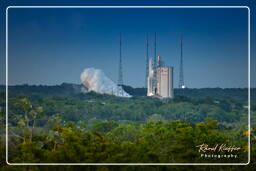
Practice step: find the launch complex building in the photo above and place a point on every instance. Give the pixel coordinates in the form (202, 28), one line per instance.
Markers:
(160, 79)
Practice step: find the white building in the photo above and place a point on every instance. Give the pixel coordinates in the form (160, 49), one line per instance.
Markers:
(165, 82)
(160, 80)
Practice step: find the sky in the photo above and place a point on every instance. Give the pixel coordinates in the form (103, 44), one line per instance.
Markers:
(52, 46)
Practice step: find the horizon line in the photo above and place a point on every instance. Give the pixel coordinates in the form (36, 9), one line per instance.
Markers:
(49, 85)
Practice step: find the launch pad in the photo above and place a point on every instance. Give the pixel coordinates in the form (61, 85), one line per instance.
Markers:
(160, 79)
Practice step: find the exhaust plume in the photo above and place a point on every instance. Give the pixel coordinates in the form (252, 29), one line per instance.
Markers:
(95, 80)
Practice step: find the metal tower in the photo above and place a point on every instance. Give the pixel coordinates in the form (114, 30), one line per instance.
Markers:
(155, 57)
(120, 68)
(181, 81)
(147, 63)
(155, 67)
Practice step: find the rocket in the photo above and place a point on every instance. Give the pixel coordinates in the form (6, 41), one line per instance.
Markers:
(151, 78)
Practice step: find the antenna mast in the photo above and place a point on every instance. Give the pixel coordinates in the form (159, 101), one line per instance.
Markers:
(155, 51)
(146, 79)
(120, 68)
(181, 81)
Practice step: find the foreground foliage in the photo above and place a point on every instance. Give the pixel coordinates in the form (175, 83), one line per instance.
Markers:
(95, 128)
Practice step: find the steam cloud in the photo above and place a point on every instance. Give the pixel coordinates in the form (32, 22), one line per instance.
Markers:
(95, 80)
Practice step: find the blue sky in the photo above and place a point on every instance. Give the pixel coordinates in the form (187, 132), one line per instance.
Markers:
(51, 46)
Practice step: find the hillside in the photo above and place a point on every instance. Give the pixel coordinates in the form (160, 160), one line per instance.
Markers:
(71, 89)
(56, 123)
(224, 105)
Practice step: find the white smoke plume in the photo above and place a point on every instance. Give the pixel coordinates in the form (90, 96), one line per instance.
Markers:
(95, 80)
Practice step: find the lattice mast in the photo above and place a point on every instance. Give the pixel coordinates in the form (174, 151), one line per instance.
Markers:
(181, 76)
(147, 62)
(155, 57)
(120, 67)
(155, 66)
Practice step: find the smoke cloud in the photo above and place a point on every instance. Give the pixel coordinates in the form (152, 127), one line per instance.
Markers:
(95, 80)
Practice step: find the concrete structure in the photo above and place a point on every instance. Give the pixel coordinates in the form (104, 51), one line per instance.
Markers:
(165, 82)
(160, 79)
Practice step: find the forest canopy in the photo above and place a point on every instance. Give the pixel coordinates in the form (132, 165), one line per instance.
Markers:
(70, 126)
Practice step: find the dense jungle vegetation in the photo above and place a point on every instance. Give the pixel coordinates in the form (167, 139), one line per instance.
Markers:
(60, 124)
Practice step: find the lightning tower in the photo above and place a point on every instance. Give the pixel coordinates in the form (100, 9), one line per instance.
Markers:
(155, 51)
(120, 67)
(146, 79)
(154, 83)
(181, 76)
